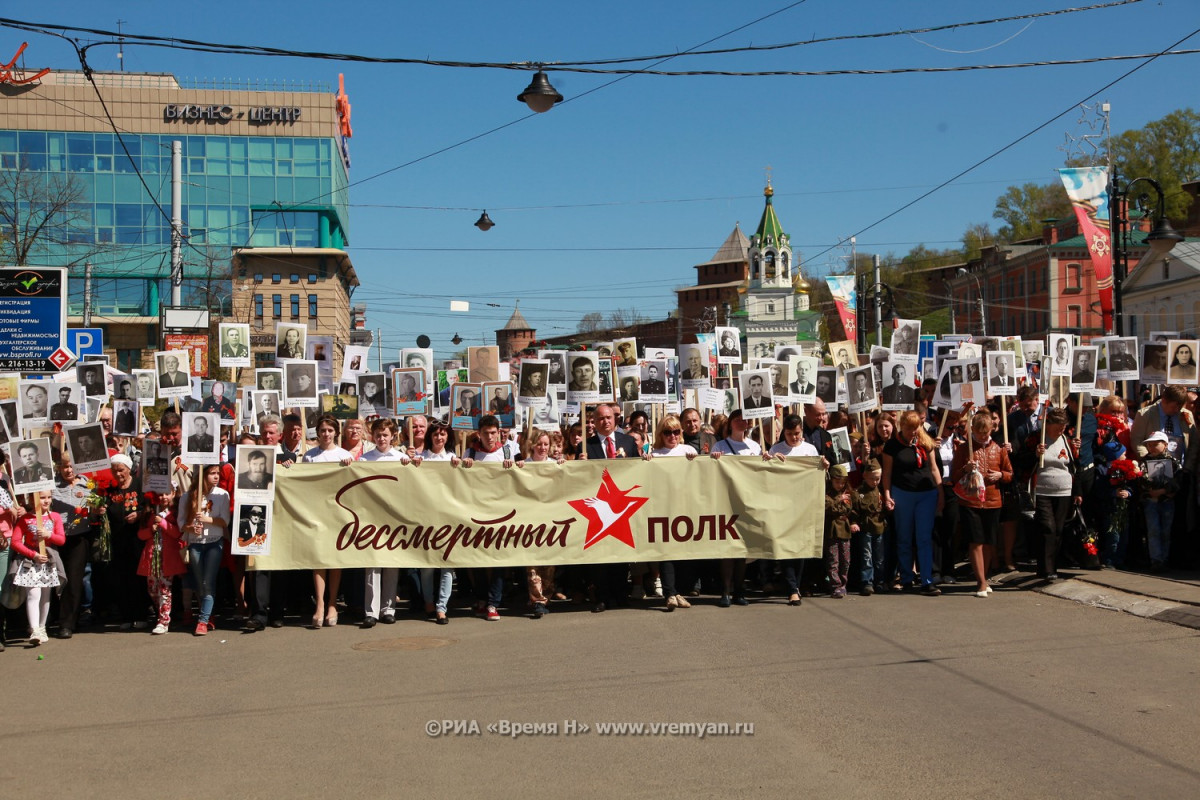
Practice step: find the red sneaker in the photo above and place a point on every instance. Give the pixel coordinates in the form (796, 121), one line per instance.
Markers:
(202, 629)
(492, 614)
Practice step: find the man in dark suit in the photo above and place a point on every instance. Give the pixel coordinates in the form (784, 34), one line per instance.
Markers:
(171, 374)
(653, 384)
(126, 420)
(803, 383)
(201, 441)
(862, 392)
(1119, 359)
(233, 347)
(900, 391)
(1002, 378)
(64, 409)
(609, 442)
(32, 470)
(755, 398)
(253, 527)
(695, 366)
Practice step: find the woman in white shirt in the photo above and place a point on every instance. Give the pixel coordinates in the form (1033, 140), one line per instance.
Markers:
(205, 523)
(432, 578)
(668, 443)
(380, 595)
(327, 451)
(539, 580)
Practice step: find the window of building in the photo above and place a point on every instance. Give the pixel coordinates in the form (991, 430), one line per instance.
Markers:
(277, 306)
(258, 277)
(1074, 278)
(129, 360)
(295, 277)
(258, 305)
(276, 278)
(770, 308)
(295, 306)
(1074, 316)
(312, 277)
(312, 306)
(264, 359)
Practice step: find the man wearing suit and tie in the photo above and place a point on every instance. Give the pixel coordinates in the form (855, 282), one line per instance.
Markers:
(755, 398)
(1002, 378)
(861, 392)
(609, 443)
(653, 384)
(803, 383)
(900, 392)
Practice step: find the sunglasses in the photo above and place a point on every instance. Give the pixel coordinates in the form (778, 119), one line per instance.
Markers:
(673, 432)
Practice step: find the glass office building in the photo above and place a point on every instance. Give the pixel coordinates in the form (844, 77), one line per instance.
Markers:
(260, 168)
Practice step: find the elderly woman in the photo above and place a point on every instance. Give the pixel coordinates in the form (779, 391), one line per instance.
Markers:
(911, 480)
(70, 502)
(290, 346)
(983, 463)
(326, 451)
(123, 506)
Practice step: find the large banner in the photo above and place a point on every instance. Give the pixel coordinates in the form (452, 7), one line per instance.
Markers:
(383, 514)
(845, 298)
(1088, 189)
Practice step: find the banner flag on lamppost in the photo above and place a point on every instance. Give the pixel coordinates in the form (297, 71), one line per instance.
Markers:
(845, 298)
(1087, 187)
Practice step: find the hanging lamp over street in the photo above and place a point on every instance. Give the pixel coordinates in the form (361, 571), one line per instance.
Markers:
(539, 95)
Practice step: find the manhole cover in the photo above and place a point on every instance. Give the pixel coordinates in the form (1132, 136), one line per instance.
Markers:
(405, 643)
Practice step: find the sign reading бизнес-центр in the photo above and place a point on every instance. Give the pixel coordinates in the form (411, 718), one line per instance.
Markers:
(33, 318)
(258, 115)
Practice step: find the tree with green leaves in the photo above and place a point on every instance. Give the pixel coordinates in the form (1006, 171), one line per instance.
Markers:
(1167, 150)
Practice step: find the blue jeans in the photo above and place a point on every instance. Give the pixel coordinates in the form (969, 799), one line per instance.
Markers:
(870, 548)
(914, 519)
(445, 583)
(205, 561)
(1160, 514)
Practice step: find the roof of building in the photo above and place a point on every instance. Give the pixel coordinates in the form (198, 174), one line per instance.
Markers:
(733, 249)
(726, 285)
(517, 322)
(282, 254)
(769, 229)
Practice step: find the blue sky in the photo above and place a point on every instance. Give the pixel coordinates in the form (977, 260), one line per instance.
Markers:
(609, 200)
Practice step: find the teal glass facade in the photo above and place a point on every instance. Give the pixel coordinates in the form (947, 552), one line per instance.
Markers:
(261, 191)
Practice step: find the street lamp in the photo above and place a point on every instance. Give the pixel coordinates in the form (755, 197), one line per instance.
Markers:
(1161, 239)
(539, 95)
(885, 307)
(982, 308)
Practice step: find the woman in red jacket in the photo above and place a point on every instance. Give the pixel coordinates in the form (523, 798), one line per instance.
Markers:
(978, 466)
(161, 559)
(36, 571)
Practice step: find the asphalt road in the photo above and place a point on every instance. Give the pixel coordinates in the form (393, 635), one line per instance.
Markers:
(1018, 695)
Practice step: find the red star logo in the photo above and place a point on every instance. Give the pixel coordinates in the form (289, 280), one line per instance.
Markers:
(608, 512)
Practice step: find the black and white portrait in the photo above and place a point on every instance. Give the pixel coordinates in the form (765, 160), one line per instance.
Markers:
(583, 372)
(372, 393)
(1083, 368)
(729, 345)
(827, 379)
(290, 341)
(483, 363)
(842, 452)
(201, 438)
(625, 351)
(268, 380)
(300, 384)
(1001, 368)
(32, 469)
(899, 391)
(1122, 358)
(532, 382)
(755, 389)
(1182, 367)
(156, 466)
(235, 344)
(34, 397)
(255, 469)
(860, 382)
(174, 380)
(693, 366)
(125, 417)
(653, 386)
(86, 446)
(91, 377)
(145, 386)
(906, 339)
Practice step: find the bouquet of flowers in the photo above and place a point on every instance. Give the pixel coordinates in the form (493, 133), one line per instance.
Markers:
(97, 501)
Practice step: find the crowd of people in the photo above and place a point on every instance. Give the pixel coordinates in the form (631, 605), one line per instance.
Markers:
(924, 499)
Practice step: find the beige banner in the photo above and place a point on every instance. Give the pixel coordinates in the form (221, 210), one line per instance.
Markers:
(384, 514)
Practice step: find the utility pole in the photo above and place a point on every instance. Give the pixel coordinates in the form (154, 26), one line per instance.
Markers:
(878, 301)
(379, 349)
(87, 294)
(176, 223)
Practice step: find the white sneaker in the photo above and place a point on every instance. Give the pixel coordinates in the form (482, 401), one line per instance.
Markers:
(42, 636)
(658, 587)
(159, 629)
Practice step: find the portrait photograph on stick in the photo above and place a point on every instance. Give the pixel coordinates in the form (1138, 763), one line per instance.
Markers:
(1083, 368)
(1154, 362)
(626, 352)
(85, 443)
(290, 343)
(31, 465)
(126, 414)
(1181, 370)
(899, 389)
(34, 397)
(372, 393)
(201, 438)
(252, 528)
(408, 392)
(906, 339)
(583, 370)
(1002, 373)
(300, 382)
(483, 363)
(465, 405)
(653, 383)
(235, 344)
(500, 401)
(1122, 358)
(860, 382)
(757, 402)
(173, 379)
(532, 383)
(255, 470)
(693, 362)
(90, 375)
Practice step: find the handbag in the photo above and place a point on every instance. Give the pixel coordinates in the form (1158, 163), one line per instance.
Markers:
(11, 596)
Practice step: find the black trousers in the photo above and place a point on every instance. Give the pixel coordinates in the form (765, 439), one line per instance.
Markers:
(75, 554)
(1049, 517)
